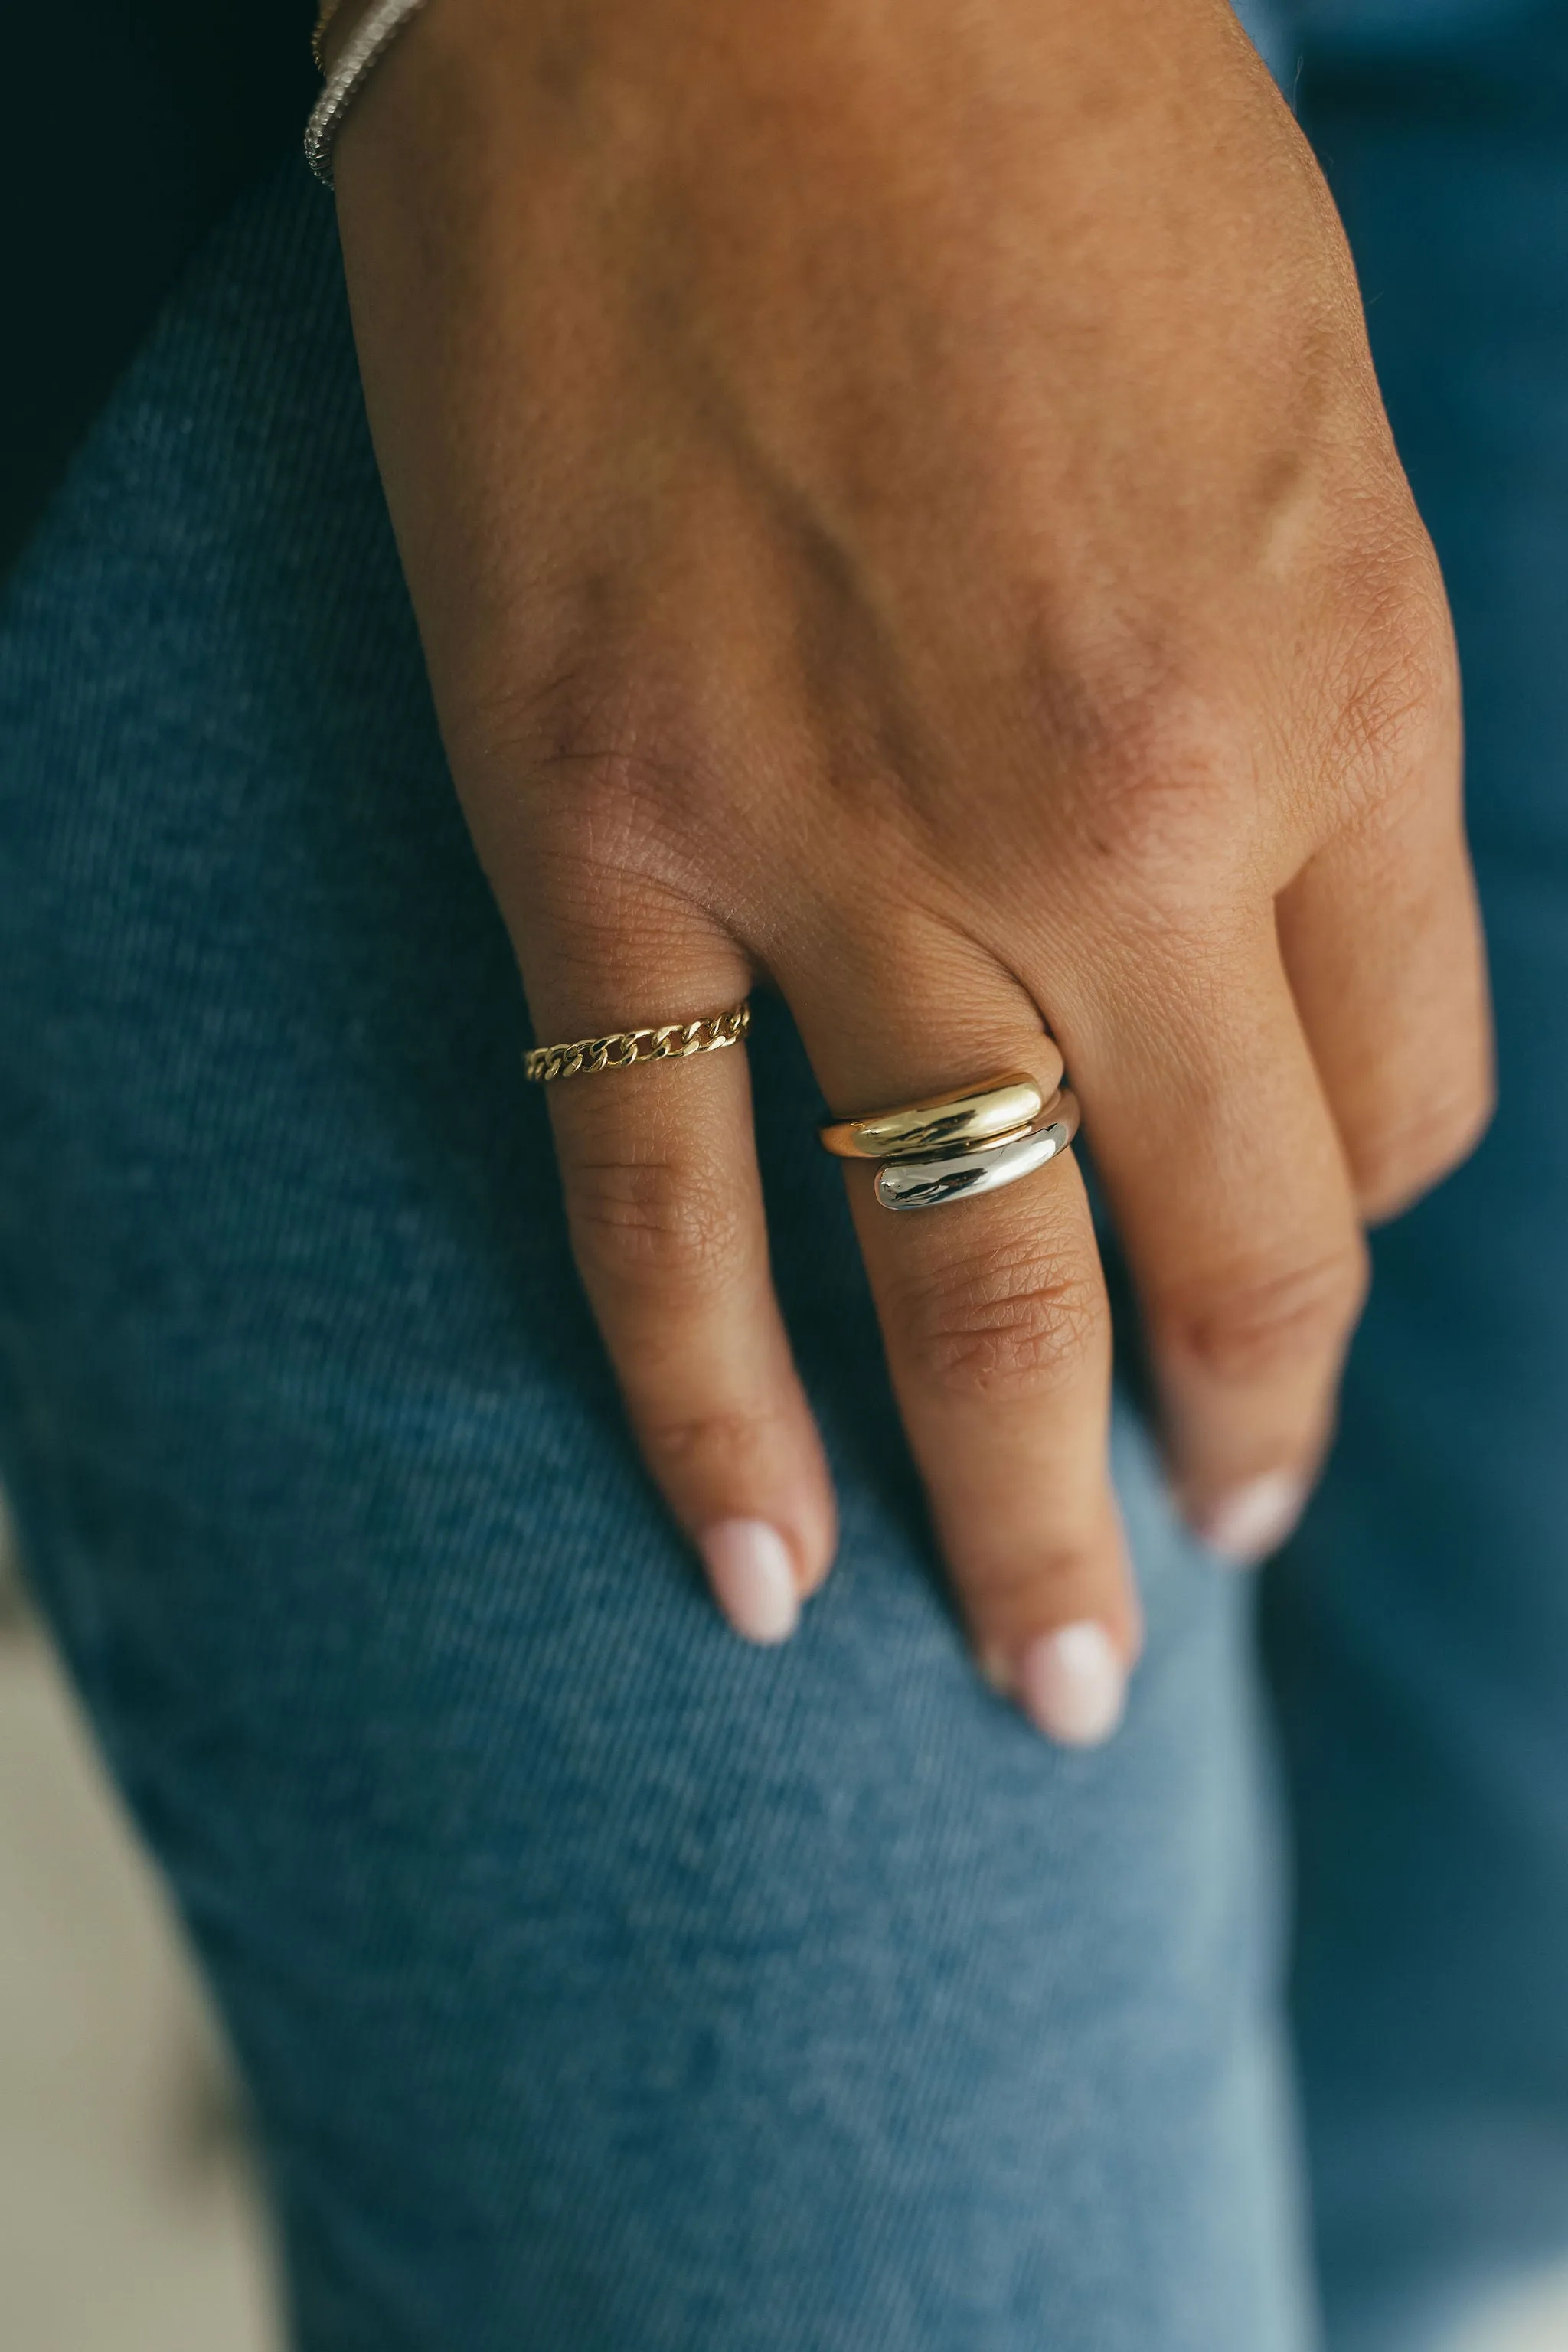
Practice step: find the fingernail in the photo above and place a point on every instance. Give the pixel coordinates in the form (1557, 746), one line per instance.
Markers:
(1072, 1685)
(753, 1576)
(1245, 1525)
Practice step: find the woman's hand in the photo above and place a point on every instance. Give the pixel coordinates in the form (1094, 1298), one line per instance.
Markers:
(896, 499)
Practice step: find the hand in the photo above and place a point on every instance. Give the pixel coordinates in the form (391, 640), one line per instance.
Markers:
(896, 499)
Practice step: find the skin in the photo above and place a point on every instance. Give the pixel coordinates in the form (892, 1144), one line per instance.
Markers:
(896, 502)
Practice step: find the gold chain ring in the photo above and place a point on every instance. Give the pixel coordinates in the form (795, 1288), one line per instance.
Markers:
(671, 1043)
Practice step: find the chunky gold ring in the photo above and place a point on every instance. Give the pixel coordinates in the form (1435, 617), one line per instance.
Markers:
(672, 1042)
(964, 1121)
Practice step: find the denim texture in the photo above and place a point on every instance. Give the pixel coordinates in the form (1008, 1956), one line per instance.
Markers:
(600, 1983)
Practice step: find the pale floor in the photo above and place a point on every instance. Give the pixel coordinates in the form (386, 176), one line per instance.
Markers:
(126, 2219)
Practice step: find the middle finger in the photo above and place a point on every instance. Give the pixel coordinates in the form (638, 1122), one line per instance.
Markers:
(995, 1316)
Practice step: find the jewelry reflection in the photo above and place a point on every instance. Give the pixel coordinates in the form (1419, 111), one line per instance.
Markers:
(933, 1181)
(970, 1116)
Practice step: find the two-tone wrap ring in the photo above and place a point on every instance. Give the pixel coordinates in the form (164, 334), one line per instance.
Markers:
(954, 1145)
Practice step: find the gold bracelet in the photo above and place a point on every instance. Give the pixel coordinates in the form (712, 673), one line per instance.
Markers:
(671, 1043)
(329, 9)
(365, 44)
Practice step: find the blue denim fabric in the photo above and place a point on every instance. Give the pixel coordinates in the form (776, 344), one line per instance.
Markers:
(601, 1983)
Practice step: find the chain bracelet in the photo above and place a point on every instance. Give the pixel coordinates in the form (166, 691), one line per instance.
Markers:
(367, 46)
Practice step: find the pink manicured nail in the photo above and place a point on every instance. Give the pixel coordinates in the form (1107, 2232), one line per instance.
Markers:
(753, 1576)
(1072, 1685)
(1245, 1525)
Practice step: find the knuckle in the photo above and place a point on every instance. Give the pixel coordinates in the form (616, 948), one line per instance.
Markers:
(1395, 1165)
(1168, 796)
(569, 710)
(605, 770)
(993, 1329)
(651, 1224)
(588, 840)
(1399, 705)
(1259, 1321)
(692, 1445)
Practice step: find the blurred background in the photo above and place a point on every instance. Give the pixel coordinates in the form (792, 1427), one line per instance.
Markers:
(129, 2221)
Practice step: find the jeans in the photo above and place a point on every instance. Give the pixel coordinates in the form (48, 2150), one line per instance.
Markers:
(601, 1983)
